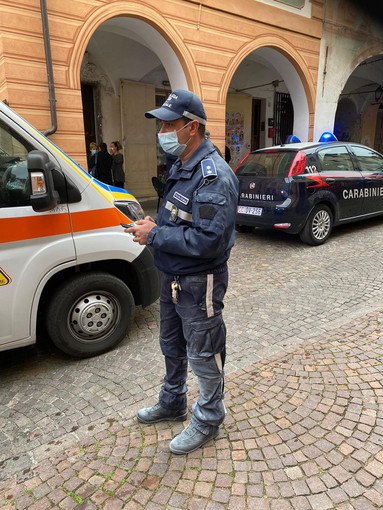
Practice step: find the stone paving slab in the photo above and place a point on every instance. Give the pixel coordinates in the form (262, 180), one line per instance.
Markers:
(304, 431)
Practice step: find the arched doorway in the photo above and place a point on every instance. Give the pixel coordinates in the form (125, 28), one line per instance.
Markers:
(357, 112)
(127, 69)
(266, 102)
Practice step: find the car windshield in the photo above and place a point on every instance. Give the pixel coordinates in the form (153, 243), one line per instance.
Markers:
(273, 163)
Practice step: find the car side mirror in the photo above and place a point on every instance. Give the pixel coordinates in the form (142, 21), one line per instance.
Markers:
(44, 196)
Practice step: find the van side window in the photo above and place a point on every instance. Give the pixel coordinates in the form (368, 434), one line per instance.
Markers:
(335, 159)
(15, 188)
(369, 161)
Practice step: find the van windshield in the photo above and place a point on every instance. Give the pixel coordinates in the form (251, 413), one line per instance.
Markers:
(15, 187)
(267, 164)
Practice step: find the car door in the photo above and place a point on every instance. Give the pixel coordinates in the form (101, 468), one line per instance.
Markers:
(339, 176)
(370, 164)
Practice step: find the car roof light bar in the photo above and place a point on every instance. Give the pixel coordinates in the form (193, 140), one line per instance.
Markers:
(292, 139)
(328, 137)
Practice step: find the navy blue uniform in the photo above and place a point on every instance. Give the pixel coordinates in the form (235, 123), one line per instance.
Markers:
(192, 243)
(195, 225)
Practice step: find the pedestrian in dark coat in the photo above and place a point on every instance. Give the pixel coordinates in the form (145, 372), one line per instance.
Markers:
(118, 173)
(104, 165)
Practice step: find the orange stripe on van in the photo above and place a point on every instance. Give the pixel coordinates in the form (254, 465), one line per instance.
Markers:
(95, 219)
(46, 225)
(32, 227)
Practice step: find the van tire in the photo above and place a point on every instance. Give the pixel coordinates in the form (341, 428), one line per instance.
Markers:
(89, 314)
(318, 226)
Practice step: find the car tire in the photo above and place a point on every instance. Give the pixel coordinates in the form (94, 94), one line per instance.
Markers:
(89, 314)
(244, 228)
(318, 226)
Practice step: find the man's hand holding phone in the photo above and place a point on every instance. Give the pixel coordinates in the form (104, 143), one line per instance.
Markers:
(140, 229)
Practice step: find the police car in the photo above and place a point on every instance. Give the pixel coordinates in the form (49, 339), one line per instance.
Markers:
(307, 188)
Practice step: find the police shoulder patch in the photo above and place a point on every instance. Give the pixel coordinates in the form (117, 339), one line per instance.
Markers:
(208, 168)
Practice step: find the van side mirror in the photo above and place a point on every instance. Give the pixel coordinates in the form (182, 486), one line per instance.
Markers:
(44, 197)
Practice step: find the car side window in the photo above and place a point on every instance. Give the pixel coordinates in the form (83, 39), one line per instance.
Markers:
(15, 186)
(335, 159)
(368, 160)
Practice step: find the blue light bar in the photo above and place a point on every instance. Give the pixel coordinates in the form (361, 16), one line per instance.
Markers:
(292, 139)
(328, 137)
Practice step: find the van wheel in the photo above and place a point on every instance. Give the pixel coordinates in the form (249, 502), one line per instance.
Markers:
(318, 226)
(244, 228)
(89, 314)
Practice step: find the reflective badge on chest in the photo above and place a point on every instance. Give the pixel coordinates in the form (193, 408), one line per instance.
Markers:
(180, 198)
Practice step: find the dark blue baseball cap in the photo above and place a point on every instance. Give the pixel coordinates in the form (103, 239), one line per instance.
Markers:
(180, 103)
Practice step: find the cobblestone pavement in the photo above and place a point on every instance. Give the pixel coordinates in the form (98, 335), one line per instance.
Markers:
(304, 392)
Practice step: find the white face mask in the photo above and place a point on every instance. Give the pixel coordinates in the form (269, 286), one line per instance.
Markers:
(170, 144)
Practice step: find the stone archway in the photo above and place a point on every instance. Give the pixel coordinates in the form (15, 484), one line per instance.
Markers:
(154, 29)
(278, 63)
(127, 49)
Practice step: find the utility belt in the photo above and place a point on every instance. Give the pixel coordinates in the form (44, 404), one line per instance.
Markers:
(221, 268)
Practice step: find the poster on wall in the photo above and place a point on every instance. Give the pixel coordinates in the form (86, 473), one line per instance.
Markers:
(235, 138)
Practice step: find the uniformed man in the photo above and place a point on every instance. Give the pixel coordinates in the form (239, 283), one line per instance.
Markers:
(192, 238)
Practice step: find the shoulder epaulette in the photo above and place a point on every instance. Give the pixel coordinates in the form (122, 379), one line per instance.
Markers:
(208, 168)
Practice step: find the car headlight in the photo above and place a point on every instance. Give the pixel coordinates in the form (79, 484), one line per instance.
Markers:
(131, 209)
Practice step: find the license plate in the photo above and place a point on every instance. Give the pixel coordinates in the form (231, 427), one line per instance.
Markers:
(255, 211)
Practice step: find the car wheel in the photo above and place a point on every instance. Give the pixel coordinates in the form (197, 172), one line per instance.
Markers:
(318, 226)
(244, 228)
(89, 314)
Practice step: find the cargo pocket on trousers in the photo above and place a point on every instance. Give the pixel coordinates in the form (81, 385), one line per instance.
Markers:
(206, 337)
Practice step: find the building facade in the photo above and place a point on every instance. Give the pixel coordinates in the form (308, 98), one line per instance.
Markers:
(87, 70)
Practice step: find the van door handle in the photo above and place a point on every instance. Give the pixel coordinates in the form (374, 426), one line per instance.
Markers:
(330, 180)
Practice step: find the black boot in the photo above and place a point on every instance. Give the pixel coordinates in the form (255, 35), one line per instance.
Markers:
(158, 413)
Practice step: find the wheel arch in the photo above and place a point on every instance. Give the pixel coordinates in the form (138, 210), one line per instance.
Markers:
(331, 204)
(122, 269)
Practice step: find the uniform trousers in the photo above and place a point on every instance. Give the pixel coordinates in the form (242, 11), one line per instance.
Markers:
(192, 330)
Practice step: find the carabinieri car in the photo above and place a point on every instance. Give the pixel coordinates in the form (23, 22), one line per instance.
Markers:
(307, 188)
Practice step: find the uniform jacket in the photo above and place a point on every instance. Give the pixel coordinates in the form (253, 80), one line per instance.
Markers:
(195, 224)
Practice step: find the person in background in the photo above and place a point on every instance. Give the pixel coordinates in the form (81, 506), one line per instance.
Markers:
(118, 173)
(104, 165)
(227, 154)
(92, 160)
(192, 239)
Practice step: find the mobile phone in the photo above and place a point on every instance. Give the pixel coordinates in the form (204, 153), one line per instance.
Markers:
(127, 225)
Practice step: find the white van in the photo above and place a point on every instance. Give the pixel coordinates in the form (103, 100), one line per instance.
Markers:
(65, 260)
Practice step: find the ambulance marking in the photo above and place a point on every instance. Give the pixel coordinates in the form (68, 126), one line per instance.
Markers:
(4, 278)
(45, 225)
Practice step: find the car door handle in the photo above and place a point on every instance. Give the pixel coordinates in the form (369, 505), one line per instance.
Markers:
(330, 180)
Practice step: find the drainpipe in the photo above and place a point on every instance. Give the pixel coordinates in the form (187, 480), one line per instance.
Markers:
(48, 59)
